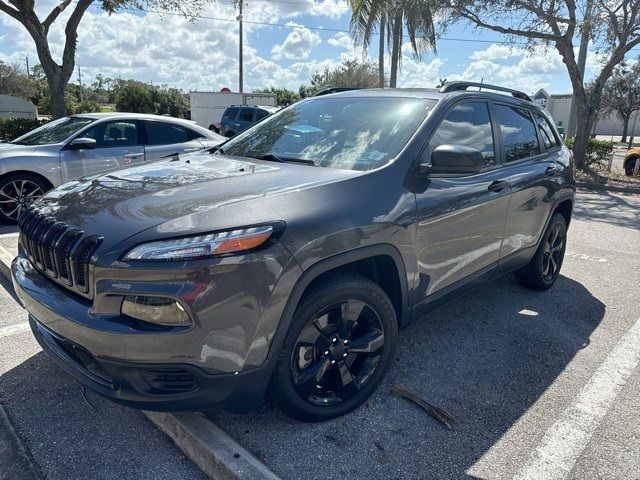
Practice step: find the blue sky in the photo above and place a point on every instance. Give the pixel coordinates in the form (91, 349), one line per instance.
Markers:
(203, 56)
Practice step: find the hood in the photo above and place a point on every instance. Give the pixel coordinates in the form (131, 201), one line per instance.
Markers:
(11, 149)
(174, 194)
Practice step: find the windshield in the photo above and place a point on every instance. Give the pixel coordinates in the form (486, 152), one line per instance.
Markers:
(54, 132)
(359, 133)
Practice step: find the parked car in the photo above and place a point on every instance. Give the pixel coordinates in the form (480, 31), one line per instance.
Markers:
(630, 158)
(291, 255)
(87, 144)
(237, 118)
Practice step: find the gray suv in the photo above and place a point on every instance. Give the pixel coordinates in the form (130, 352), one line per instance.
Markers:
(288, 258)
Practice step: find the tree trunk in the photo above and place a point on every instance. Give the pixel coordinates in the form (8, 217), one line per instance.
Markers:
(395, 48)
(57, 92)
(381, 52)
(625, 129)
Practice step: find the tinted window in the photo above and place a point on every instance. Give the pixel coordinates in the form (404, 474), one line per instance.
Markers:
(246, 115)
(260, 114)
(546, 132)
(355, 133)
(518, 133)
(160, 133)
(230, 114)
(469, 125)
(117, 133)
(193, 135)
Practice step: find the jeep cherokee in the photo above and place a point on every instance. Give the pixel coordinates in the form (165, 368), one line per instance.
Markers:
(289, 257)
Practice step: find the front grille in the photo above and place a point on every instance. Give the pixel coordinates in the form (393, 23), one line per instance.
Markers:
(57, 250)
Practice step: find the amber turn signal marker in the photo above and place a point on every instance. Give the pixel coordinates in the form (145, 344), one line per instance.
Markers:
(243, 243)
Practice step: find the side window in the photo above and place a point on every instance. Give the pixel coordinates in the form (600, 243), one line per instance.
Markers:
(260, 114)
(160, 133)
(230, 113)
(117, 133)
(246, 115)
(546, 132)
(467, 124)
(193, 135)
(518, 133)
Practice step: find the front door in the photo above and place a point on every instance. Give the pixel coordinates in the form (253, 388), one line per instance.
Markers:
(461, 218)
(117, 146)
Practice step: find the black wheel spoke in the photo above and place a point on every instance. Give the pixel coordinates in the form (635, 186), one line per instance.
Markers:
(350, 312)
(372, 342)
(347, 379)
(308, 379)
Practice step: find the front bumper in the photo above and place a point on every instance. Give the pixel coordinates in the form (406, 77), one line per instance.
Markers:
(103, 359)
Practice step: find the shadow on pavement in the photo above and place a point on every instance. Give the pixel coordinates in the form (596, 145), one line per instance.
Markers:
(618, 209)
(478, 357)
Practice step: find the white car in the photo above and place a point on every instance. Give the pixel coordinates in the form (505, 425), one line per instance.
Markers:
(87, 144)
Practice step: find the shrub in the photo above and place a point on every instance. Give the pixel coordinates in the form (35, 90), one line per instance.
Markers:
(598, 151)
(12, 128)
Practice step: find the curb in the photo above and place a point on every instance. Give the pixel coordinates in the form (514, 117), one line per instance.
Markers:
(605, 187)
(208, 446)
(6, 257)
(17, 464)
(218, 455)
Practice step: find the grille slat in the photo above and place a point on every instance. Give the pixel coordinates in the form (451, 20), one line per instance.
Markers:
(57, 250)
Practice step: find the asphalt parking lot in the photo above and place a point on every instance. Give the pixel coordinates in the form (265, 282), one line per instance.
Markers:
(540, 385)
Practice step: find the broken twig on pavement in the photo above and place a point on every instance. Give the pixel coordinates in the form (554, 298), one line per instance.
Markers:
(436, 412)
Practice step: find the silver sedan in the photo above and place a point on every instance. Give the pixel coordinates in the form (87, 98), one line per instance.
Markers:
(87, 144)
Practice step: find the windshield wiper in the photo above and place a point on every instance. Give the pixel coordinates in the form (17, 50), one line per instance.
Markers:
(274, 158)
(215, 149)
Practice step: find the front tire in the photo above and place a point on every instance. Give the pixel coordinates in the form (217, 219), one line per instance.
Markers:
(544, 268)
(340, 344)
(17, 192)
(629, 166)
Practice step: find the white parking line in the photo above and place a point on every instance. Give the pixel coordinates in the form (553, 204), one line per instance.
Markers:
(564, 441)
(14, 329)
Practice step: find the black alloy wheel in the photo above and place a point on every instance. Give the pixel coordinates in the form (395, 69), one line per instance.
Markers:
(553, 252)
(339, 346)
(337, 352)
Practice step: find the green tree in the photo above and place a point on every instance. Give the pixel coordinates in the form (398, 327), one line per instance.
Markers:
(284, 96)
(621, 94)
(351, 73)
(14, 81)
(392, 17)
(58, 74)
(134, 96)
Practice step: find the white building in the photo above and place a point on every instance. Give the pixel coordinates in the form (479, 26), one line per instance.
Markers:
(560, 105)
(207, 107)
(13, 107)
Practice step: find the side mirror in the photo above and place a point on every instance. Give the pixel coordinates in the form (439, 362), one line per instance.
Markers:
(453, 159)
(82, 143)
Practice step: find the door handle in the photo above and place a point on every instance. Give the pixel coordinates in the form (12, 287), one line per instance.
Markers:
(498, 185)
(191, 149)
(552, 170)
(133, 155)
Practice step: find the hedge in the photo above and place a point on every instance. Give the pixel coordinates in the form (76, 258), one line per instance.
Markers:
(598, 151)
(12, 128)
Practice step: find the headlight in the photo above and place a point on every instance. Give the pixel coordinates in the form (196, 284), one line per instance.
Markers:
(200, 246)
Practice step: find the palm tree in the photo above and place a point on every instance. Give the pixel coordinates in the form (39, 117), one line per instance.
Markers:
(393, 17)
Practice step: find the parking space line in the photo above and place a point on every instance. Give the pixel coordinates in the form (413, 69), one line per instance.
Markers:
(565, 440)
(14, 329)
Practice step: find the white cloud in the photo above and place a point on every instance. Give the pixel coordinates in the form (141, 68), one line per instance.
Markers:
(497, 52)
(341, 40)
(297, 45)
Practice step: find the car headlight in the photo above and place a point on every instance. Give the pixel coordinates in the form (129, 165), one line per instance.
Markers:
(200, 246)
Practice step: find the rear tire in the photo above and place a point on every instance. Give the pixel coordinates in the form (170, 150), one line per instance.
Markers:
(629, 166)
(544, 268)
(340, 344)
(17, 192)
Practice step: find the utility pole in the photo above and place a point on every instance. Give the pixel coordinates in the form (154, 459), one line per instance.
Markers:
(240, 73)
(381, 52)
(582, 62)
(80, 82)
(28, 71)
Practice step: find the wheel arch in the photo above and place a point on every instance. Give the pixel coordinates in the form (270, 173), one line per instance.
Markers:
(375, 262)
(30, 173)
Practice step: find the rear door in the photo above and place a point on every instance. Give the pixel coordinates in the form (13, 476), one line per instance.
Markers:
(118, 145)
(246, 118)
(533, 174)
(461, 218)
(165, 139)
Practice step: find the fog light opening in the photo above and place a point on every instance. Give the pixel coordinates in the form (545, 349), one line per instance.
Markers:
(158, 310)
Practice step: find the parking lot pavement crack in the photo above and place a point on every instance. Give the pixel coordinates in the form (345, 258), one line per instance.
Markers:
(17, 463)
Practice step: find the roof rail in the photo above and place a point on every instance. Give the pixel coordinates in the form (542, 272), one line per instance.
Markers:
(329, 90)
(459, 86)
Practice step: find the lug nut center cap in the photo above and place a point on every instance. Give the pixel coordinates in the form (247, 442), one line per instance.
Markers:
(337, 351)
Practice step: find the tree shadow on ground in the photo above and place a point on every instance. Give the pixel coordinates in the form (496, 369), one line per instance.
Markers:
(618, 209)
